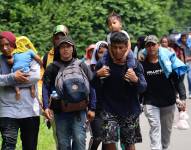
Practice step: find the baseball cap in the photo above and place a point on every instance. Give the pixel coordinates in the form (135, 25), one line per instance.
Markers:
(151, 39)
(60, 28)
(66, 39)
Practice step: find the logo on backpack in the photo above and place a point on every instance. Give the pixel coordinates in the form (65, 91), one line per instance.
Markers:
(71, 83)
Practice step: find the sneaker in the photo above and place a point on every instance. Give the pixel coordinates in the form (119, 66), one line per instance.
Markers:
(189, 96)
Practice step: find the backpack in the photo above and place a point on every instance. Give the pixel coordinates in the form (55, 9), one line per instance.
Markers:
(72, 84)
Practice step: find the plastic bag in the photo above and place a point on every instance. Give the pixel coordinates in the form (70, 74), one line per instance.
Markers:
(182, 123)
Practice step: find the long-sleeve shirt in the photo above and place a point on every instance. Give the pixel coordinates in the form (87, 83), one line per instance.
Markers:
(9, 106)
(119, 96)
(49, 83)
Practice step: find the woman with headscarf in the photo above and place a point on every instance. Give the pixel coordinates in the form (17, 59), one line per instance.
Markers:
(23, 115)
(99, 50)
(88, 54)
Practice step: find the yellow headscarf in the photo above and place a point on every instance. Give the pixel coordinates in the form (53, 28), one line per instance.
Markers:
(23, 44)
(50, 57)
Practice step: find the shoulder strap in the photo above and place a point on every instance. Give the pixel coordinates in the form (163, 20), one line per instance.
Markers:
(61, 66)
(77, 62)
(56, 63)
(74, 62)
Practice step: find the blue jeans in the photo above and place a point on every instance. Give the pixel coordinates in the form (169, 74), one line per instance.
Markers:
(29, 128)
(71, 127)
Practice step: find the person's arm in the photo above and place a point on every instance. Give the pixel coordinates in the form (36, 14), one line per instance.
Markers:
(92, 95)
(13, 78)
(38, 59)
(46, 89)
(178, 83)
(44, 60)
(92, 104)
(7, 79)
(136, 77)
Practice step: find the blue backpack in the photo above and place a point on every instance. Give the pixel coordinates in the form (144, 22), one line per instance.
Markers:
(72, 84)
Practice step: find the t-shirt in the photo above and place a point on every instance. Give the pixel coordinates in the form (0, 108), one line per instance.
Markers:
(22, 60)
(160, 91)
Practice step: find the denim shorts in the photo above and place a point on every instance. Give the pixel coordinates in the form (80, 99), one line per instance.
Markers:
(114, 127)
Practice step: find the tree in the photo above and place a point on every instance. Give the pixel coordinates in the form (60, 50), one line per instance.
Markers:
(86, 20)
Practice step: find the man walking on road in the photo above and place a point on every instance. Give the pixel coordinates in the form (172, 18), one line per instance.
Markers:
(163, 71)
(121, 79)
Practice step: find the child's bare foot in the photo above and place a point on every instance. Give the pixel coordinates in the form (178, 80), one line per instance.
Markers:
(18, 96)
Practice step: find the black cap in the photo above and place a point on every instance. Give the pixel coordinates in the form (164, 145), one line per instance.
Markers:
(66, 39)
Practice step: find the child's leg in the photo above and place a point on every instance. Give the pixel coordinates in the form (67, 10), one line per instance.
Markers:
(18, 94)
(32, 89)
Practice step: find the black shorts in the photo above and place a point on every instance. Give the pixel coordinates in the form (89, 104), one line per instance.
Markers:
(108, 128)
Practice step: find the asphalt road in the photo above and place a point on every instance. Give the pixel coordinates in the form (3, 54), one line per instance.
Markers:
(180, 139)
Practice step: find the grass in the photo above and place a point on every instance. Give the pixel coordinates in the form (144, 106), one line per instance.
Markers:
(45, 138)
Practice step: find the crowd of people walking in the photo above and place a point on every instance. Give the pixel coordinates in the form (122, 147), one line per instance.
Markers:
(105, 92)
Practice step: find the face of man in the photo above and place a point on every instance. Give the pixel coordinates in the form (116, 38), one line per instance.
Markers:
(5, 47)
(118, 50)
(66, 51)
(152, 49)
(57, 37)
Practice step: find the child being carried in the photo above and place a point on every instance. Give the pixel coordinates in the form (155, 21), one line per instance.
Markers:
(23, 55)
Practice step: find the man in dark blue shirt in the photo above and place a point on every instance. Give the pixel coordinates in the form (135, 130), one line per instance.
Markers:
(121, 79)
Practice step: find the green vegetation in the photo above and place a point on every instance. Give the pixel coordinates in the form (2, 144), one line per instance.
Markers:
(86, 18)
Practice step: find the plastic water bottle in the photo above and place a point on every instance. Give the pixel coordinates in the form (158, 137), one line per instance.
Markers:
(54, 95)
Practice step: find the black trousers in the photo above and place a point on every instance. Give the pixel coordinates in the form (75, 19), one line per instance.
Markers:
(29, 128)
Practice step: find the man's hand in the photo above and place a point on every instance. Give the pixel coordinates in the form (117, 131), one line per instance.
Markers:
(181, 104)
(103, 72)
(21, 77)
(90, 115)
(131, 76)
(141, 57)
(48, 114)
